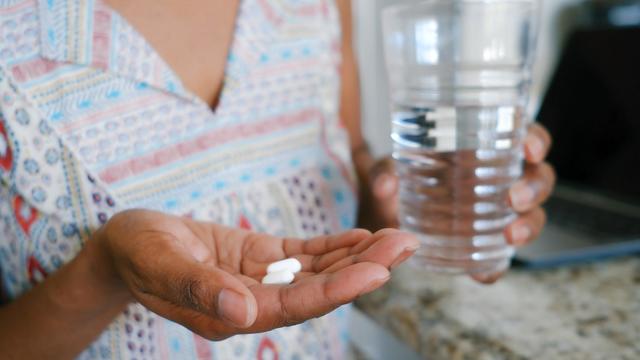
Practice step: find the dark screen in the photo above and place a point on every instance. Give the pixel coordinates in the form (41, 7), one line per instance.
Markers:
(592, 109)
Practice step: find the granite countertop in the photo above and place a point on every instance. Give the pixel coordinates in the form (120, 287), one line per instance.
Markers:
(582, 312)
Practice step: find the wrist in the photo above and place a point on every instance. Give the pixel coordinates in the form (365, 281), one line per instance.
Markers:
(95, 285)
(101, 267)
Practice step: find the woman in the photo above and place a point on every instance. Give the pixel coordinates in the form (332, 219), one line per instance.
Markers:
(226, 121)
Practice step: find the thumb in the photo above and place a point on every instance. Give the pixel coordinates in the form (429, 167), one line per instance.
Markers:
(178, 279)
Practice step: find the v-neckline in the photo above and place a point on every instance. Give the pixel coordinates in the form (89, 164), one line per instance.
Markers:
(215, 109)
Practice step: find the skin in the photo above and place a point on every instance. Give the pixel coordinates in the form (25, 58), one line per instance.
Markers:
(206, 276)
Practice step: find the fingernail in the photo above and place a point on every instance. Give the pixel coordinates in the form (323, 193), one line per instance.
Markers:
(520, 234)
(522, 195)
(404, 255)
(536, 146)
(235, 308)
(385, 185)
(374, 284)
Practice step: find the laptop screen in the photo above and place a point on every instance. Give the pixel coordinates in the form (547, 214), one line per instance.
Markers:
(592, 109)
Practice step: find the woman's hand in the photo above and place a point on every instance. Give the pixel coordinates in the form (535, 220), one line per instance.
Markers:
(379, 195)
(529, 193)
(207, 277)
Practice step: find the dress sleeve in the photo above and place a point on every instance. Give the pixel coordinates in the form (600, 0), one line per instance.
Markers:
(49, 203)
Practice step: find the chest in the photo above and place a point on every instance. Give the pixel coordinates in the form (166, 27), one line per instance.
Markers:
(193, 37)
(134, 123)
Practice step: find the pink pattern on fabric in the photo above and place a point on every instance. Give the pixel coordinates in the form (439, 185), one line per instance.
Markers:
(201, 143)
(203, 351)
(34, 68)
(102, 36)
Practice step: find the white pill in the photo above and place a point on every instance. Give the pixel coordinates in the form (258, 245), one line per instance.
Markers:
(279, 277)
(290, 264)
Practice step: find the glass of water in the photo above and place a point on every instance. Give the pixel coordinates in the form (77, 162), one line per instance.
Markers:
(459, 72)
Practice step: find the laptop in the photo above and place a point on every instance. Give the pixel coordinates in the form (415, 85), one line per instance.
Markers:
(592, 109)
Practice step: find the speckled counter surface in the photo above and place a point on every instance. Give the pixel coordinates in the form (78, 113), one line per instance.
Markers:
(582, 312)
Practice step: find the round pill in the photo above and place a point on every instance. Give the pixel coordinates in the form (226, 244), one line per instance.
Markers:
(290, 264)
(279, 277)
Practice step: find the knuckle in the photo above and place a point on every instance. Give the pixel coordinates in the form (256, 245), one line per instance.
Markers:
(122, 219)
(329, 296)
(547, 169)
(315, 264)
(134, 268)
(542, 172)
(190, 292)
(546, 136)
(541, 131)
(387, 232)
(388, 163)
(537, 223)
(536, 218)
(552, 173)
(385, 165)
(287, 316)
(360, 232)
(543, 215)
(548, 176)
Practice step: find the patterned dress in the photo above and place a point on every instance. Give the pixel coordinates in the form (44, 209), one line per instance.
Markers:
(93, 121)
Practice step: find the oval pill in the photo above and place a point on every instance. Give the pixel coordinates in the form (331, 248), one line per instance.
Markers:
(279, 277)
(290, 264)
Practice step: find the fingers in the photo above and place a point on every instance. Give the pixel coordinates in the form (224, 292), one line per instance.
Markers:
(390, 248)
(317, 264)
(519, 233)
(323, 249)
(254, 263)
(526, 228)
(533, 189)
(363, 245)
(536, 144)
(387, 247)
(315, 295)
(174, 277)
(324, 244)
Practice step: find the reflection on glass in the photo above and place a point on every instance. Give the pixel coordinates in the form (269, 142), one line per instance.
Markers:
(427, 42)
(495, 50)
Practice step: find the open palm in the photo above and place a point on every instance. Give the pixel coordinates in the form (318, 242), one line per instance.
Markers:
(207, 276)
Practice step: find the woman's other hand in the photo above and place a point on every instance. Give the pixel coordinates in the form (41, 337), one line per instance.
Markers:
(207, 277)
(379, 192)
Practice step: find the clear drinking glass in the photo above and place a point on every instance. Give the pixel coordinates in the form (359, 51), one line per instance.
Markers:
(459, 72)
